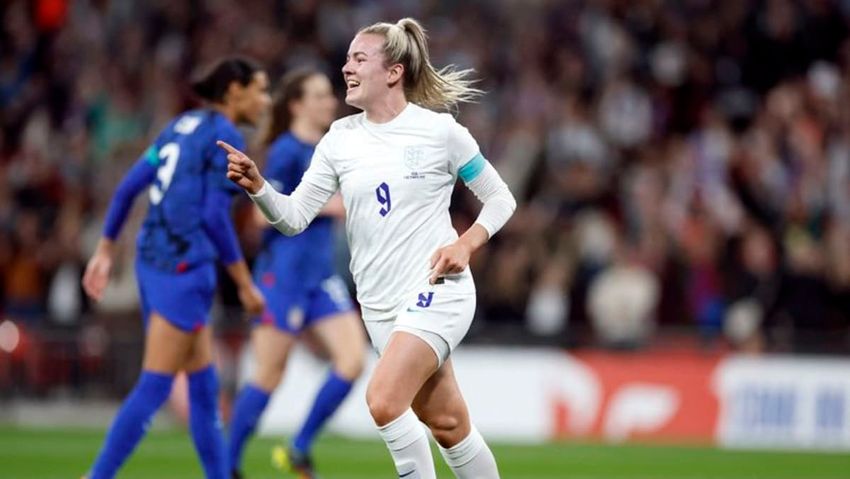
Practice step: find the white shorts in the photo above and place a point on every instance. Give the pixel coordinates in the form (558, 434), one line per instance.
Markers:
(441, 319)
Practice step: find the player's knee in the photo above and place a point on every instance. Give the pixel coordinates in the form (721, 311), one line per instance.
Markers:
(266, 382)
(268, 376)
(383, 411)
(349, 367)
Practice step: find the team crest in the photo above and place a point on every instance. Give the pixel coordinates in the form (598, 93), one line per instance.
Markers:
(413, 156)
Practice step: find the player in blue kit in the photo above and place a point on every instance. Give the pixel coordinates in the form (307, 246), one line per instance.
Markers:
(186, 229)
(296, 276)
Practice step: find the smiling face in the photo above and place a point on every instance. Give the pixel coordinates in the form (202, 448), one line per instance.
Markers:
(367, 78)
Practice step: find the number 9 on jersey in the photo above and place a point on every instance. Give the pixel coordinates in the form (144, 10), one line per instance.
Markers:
(382, 192)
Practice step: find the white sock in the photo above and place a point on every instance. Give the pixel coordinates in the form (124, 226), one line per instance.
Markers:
(471, 458)
(408, 444)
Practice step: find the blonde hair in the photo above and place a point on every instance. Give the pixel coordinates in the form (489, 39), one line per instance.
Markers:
(406, 42)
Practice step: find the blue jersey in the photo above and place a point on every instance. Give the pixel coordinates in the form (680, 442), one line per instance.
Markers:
(309, 255)
(190, 168)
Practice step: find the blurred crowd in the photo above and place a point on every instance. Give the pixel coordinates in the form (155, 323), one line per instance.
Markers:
(679, 165)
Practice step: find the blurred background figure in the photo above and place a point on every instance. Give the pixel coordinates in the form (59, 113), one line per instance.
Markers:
(187, 229)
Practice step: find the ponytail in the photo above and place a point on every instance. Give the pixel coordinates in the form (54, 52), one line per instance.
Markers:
(406, 42)
(214, 80)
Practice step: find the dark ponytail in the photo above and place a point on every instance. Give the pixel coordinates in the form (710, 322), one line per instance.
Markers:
(214, 80)
(289, 89)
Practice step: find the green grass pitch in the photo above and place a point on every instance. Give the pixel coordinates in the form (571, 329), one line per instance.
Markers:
(66, 453)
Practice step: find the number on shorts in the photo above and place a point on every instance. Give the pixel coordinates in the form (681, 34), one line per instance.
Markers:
(425, 299)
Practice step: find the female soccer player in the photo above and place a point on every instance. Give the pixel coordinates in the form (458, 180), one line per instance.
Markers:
(186, 228)
(396, 164)
(296, 276)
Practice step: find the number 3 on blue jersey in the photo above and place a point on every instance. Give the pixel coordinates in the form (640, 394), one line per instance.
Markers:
(383, 194)
(169, 153)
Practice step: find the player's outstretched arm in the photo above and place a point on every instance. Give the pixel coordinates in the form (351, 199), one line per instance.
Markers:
(288, 214)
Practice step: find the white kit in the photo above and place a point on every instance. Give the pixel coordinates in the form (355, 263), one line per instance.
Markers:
(396, 180)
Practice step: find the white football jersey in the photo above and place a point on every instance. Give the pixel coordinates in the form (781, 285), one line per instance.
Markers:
(396, 180)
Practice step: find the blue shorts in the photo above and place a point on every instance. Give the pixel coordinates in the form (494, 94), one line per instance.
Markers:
(184, 299)
(292, 310)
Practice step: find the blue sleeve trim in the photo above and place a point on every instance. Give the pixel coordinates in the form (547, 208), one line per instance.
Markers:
(151, 155)
(140, 175)
(472, 168)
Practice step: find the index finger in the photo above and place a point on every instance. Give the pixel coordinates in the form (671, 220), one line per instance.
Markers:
(438, 270)
(228, 147)
(435, 256)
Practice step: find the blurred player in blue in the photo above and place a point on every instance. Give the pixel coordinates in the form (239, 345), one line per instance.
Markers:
(297, 278)
(186, 229)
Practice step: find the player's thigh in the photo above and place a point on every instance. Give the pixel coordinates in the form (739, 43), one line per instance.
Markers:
(405, 365)
(201, 354)
(271, 350)
(343, 338)
(440, 405)
(167, 347)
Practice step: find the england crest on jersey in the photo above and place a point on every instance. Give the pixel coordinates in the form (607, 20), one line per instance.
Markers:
(414, 156)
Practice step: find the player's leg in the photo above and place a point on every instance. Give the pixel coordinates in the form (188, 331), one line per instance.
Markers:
(332, 321)
(342, 337)
(271, 348)
(440, 405)
(405, 365)
(204, 419)
(166, 350)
